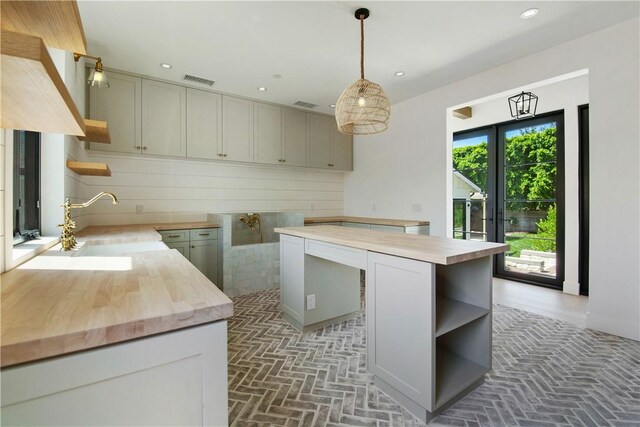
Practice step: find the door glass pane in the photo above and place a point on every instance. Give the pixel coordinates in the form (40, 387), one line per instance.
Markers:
(470, 186)
(529, 210)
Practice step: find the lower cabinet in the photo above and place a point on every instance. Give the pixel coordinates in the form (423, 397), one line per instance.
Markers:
(174, 378)
(199, 246)
(447, 349)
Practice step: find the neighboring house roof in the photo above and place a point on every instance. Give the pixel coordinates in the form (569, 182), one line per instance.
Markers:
(473, 187)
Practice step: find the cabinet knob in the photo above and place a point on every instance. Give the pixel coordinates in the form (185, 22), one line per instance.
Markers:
(224, 155)
(284, 160)
(219, 154)
(193, 247)
(144, 148)
(138, 147)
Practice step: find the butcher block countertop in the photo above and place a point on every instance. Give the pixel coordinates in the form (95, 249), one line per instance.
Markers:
(58, 303)
(106, 234)
(437, 250)
(376, 221)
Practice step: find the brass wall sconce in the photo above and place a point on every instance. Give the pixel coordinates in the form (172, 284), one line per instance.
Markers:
(98, 77)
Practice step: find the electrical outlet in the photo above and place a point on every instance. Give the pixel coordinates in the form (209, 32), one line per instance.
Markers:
(373, 207)
(140, 209)
(311, 302)
(313, 206)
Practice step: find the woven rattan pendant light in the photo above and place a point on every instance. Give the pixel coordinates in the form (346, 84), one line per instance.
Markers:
(363, 108)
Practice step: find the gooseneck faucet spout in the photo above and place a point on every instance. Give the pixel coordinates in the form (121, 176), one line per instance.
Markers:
(68, 237)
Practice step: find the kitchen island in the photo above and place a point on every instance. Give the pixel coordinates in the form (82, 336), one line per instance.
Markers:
(131, 334)
(428, 305)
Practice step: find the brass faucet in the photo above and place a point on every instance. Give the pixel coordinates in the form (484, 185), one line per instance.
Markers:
(251, 220)
(68, 237)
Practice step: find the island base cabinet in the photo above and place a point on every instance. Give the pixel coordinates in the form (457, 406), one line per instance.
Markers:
(428, 329)
(177, 378)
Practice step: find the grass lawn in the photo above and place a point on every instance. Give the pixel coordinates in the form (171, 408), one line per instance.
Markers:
(519, 241)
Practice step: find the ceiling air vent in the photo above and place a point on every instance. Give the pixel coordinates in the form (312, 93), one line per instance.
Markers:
(305, 104)
(198, 80)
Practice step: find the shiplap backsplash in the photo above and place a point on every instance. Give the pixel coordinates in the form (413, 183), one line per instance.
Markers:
(173, 189)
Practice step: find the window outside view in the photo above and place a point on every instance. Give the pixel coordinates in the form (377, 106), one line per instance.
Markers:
(529, 210)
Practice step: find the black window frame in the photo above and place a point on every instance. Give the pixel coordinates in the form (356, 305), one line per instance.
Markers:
(31, 163)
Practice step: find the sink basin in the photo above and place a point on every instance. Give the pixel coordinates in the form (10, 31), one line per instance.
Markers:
(119, 249)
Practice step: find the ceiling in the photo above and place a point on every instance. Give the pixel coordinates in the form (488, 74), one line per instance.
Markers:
(314, 45)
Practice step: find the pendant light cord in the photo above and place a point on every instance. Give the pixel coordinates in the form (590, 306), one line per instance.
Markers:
(362, 46)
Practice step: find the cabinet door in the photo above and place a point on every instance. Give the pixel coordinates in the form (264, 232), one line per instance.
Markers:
(204, 124)
(164, 118)
(342, 147)
(319, 130)
(120, 107)
(182, 247)
(267, 133)
(401, 315)
(294, 137)
(237, 129)
(203, 254)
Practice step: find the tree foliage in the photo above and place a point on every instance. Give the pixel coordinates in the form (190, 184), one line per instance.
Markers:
(547, 230)
(530, 167)
(471, 161)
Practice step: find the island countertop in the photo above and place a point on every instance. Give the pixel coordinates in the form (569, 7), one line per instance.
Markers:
(433, 249)
(357, 219)
(57, 303)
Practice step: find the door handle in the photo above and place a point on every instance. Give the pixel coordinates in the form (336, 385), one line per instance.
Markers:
(500, 216)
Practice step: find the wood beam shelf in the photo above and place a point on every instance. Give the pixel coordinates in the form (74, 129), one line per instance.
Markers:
(87, 168)
(96, 131)
(34, 96)
(57, 23)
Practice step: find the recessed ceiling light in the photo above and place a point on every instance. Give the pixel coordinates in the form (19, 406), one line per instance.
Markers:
(529, 13)
(277, 76)
(332, 105)
(165, 65)
(262, 89)
(399, 73)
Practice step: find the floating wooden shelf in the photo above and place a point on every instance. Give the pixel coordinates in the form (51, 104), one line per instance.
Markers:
(96, 131)
(463, 113)
(34, 97)
(57, 23)
(86, 168)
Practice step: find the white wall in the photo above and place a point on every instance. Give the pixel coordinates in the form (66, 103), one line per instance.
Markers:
(173, 189)
(564, 95)
(407, 164)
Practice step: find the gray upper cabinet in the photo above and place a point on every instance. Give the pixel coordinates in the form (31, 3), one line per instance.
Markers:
(280, 135)
(237, 129)
(267, 133)
(164, 119)
(204, 124)
(120, 107)
(153, 117)
(326, 146)
(319, 129)
(342, 150)
(294, 137)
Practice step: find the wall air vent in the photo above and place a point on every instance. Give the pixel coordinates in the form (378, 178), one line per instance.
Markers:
(198, 80)
(305, 104)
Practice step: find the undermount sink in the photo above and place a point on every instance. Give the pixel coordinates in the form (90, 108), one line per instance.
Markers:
(119, 249)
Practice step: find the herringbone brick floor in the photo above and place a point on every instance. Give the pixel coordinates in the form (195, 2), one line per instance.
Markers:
(545, 373)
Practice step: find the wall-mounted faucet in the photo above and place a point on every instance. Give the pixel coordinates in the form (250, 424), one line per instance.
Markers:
(68, 237)
(251, 220)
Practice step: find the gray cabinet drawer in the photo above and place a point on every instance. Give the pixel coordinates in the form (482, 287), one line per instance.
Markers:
(174, 235)
(203, 234)
(356, 225)
(391, 228)
(182, 247)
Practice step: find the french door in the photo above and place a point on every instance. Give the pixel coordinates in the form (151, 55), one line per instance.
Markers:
(509, 187)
